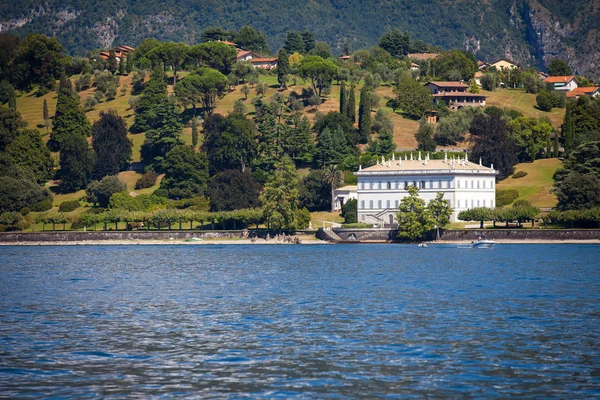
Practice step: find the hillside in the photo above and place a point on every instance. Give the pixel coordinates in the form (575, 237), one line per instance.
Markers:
(536, 186)
(529, 31)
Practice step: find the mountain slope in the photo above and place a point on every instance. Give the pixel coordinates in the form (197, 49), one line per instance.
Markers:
(528, 31)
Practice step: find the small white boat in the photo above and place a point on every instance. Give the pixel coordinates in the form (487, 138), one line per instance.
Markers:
(422, 244)
(480, 242)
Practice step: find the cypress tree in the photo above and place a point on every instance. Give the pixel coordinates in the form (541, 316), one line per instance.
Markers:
(69, 118)
(283, 67)
(111, 144)
(122, 66)
(351, 107)
(364, 115)
(46, 115)
(129, 65)
(568, 127)
(76, 163)
(556, 145)
(12, 97)
(343, 99)
(111, 63)
(194, 132)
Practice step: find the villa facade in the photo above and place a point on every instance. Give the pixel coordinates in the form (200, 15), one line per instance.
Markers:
(465, 185)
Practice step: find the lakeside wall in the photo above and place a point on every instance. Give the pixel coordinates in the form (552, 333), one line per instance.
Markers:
(377, 234)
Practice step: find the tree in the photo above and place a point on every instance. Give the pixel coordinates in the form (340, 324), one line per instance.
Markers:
(351, 108)
(350, 211)
(314, 191)
(69, 118)
(492, 143)
(294, 42)
(490, 81)
(28, 152)
(233, 190)
(581, 123)
(10, 124)
(334, 178)
(112, 63)
(455, 65)
(480, 214)
(283, 68)
(440, 211)
(46, 114)
(531, 136)
(413, 218)
(364, 115)
(559, 67)
(12, 98)
(229, 142)
(424, 136)
(76, 163)
(129, 64)
(545, 100)
(384, 144)
(319, 71)
(322, 50)
(110, 142)
(186, 173)
(122, 66)
(163, 137)
(245, 90)
(18, 188)
(531, 83)
(100, 192)
(194, 132)
(216, 55)
(395, 42)
(203, 87)
(309, 41)
(343, 99)
(251, 39)
(280, 197)
(413, 99)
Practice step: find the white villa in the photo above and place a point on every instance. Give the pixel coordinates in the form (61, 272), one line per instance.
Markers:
(381, 187)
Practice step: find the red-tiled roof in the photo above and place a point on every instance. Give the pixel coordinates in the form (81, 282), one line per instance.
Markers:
(262, 60)
(422, 56)
(583, 90)
(559, 79)
(448, 84)
(458, 94)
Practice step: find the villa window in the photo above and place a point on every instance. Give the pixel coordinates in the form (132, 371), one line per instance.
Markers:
(477, 184)
(389, 185)
(397, 203)
(388, 205)
(423, 184)
(484, 203)
(484, 184)
(362, 185)
(370, 203)
(362, 204)
(397, 185)
(477, 202)
(472, 203)
(458, 204)
(372, 185)
(458, 181)
(379, 204)
(472, 184)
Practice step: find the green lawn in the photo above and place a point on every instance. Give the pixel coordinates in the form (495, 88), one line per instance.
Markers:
(537, 185)
(518, 100)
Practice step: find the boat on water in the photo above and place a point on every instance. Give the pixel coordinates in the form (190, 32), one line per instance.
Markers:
(480, 242)
(422, 244)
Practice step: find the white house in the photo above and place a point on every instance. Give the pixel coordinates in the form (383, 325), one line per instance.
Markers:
(465, 185)
(343, 194)
(562, 83)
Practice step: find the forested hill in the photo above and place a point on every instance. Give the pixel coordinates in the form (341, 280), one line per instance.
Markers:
(527, 31)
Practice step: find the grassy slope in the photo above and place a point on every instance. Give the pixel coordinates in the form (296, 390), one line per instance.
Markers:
(523, 102)
(536, 186)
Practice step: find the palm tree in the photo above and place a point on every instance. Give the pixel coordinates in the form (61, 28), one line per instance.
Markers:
(334, 178)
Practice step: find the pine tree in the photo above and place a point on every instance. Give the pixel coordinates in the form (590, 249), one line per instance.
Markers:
(45, 110)
(194, 132)
(343, 99)
(364, 115)
(69, 118)
(280, 197)
(111, 63)
(351, 108)
(122, 66)
(76, 163)
(283, 67)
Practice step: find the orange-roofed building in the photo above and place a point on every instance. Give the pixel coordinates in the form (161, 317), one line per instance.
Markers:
(422, 56)
(562, 83)
(264, 63)
(592, 91)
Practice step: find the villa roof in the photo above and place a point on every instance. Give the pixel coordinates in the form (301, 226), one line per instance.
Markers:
(263, 60)
(589, 90)
(445, 84)
(559, 79)
(348, 188)
(422, 56)
(455, 94)
(421, 166)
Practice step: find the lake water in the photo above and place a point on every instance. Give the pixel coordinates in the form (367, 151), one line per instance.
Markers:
(300, 321)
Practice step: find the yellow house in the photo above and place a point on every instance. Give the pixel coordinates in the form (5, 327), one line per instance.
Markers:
(504, 64)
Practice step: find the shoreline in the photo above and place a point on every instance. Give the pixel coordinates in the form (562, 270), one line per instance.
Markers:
(133, 242)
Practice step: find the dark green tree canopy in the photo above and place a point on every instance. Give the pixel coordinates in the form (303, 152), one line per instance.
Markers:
(233, 190)
(186, 173)
(559, 67)
(100, 192)
(395, 42)
(111, 144)
(216, 55)
(76, 163)
(493, 144)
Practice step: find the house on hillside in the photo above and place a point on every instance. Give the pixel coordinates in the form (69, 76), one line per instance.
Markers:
(455, 95)
(465, 185)
(124, 50)
(562, 83)
(478, 76)
(246, 55)
(592, 91)
(422, 56)
(503, 63)
(482, 65)
(414, 67)
(345, 58)
(264, 63)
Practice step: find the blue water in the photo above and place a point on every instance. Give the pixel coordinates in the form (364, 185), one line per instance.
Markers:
(300, 321)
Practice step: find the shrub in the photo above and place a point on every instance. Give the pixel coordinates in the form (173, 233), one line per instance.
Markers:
(349, 211)
(44, 205)
(161, 192)
(147, 180)
(24, 211)
(358, 225)
(519, 174)
(521, 203)
(199, 203)
(68, 206)
(504, 197)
